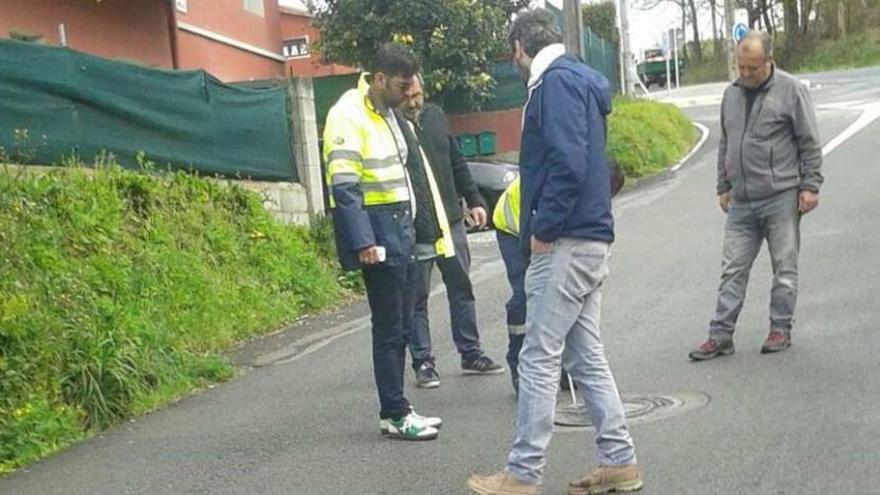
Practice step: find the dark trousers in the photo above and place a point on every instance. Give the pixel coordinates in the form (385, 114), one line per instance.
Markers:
(459, 292)
(391, 308)
(515, 264)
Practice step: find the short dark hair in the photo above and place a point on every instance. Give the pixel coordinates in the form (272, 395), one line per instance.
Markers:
(534, 29)
(394, 59)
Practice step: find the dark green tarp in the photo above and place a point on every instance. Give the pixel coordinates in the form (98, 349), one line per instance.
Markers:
(71, 103)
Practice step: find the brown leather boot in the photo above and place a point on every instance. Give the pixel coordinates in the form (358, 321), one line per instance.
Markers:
(606, 479)
(500, 483)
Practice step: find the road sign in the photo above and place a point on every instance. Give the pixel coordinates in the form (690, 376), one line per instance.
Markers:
(739, 32)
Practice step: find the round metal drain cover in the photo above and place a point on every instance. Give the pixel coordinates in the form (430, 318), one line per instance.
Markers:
(639, 408)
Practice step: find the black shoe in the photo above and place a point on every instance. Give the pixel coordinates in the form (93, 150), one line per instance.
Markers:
(427, 376)
(481, 365)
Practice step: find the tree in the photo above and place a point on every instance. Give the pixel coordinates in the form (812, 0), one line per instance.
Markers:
(698, 49)
(791, 55)
(601, 18)
(713, 9)
(768, 23)
(455, 40)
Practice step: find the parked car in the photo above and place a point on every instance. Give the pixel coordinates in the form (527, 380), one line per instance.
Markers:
(492, 178)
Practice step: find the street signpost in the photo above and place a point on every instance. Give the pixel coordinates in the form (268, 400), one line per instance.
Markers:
(667, 56)
(739, 32)
(675, 53)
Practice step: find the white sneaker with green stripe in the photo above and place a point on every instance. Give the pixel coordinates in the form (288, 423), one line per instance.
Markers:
(411, 427)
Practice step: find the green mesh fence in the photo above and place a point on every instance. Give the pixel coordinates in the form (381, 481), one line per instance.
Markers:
(603, 56)
(56, 102)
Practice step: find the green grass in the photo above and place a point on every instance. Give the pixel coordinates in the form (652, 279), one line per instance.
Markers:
(119, 291)
(711, 69)
(859, 50)
(646, 137)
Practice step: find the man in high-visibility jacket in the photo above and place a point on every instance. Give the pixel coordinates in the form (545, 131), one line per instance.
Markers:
(506, 221)
(384, 201)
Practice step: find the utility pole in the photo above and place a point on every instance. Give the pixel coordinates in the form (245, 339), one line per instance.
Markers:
(675, 55)
(627, 69)
(571, 10)
(728, 37)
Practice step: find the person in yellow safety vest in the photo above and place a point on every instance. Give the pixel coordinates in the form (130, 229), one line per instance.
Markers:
(384, 201)
(506, 221)
(505, 218)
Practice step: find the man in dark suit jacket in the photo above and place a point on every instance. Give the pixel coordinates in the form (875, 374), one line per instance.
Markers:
(454, 182)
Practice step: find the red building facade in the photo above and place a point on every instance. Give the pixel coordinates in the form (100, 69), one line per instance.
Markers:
(234, 40)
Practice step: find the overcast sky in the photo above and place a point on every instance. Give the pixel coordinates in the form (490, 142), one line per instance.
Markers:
(646, 27)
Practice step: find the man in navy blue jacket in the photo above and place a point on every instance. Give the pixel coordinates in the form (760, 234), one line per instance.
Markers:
(567, 227)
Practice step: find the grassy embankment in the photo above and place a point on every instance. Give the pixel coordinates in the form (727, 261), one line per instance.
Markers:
(119, 291)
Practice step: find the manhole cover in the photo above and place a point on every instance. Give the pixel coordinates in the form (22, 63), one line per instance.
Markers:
(639, 408)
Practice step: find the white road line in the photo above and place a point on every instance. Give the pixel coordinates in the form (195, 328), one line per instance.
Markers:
(870, 113)
(703, 129)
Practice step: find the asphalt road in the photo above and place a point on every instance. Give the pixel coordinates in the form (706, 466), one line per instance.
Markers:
(801, 422)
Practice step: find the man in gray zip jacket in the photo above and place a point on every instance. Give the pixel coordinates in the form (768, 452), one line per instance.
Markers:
(769, 174)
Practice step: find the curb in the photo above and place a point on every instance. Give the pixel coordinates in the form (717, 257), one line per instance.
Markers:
(661, 176)
(705, 135)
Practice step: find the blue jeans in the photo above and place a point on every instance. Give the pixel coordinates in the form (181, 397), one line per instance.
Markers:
(749, 223)
(515, 264)
(459, 292)
(391, 309)
(562, 321)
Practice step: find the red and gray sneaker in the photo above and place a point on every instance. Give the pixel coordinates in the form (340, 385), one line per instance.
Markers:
(776, 341)
(711, 349)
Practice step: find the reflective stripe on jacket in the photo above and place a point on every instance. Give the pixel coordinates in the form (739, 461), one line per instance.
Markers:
(370, 193)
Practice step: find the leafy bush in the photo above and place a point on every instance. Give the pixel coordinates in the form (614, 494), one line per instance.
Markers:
(711, 69)
(119, 290)
(860, 50)
(645, 137)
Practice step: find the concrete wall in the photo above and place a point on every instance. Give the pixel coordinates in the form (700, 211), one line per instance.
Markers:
(118, 29)
(296, 203)
(288, 202)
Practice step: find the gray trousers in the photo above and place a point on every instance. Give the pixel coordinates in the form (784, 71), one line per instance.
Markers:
(462, 306)
(749, 223)
(562, 325)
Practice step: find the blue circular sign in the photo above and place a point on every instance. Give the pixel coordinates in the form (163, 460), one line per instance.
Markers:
(739, 32)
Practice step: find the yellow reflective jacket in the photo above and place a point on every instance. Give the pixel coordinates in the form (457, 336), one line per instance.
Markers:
(370, 193)
(506, 214)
